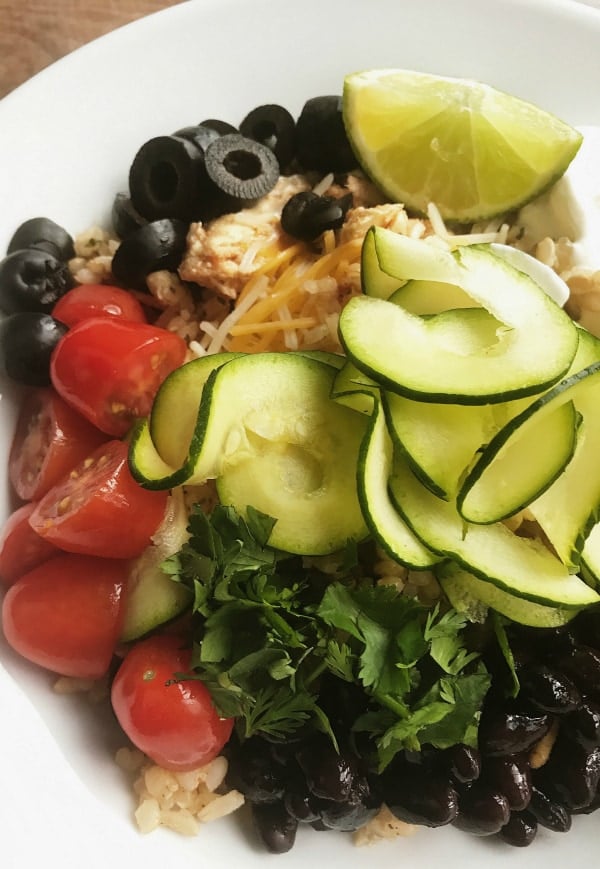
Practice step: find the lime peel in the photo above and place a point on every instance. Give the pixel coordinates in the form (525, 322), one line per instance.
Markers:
(473, 151)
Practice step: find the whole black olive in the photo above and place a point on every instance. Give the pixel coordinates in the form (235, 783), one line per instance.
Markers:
(157, 245)
(222, 128)
(32, 280)
(275, 826)
(273, 126)
(199, 135)
(44, 234)
(482, 810)
(321, 138)
(306, 215)
(521, 829)
(27, 340)
(241, 171)
(166, 179)
(125, 218)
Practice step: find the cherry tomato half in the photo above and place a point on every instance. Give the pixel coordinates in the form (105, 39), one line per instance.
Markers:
(21, 549)
(66, 614)
(50, 439)
(97, 300)
(110, 370)
(174, 722)
(99, 509)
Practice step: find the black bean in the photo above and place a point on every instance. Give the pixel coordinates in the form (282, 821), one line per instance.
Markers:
(275, 826)
(521, 829)
(548, 689)
(548, 812)
(482, 810)
(428, 800)
(329, 775)
(582, 665)
(465, 762)
(255, 773)
(505, 732)
(572, 773)
(300, 804)
(511, 776)
(584, 724)
(362, 804)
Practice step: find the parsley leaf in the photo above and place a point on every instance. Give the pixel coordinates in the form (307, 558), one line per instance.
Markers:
(270, 631)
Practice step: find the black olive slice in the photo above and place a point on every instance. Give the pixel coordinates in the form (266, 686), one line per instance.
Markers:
(306, 215)
(165, 177)
(272, 125)
(124, 217)
(157, 245)
(322, 143)
(45, 234)
(223, 128)
(241, 170)
(27, 340)
(32, 280)
(199, 135)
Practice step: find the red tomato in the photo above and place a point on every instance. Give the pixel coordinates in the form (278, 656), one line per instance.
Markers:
(50, 439)
(110, 370)
(173, 722)
(66, 614)
(97, 300)
(21, 549)
(99, 509)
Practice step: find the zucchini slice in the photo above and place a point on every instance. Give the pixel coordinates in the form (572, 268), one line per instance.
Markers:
(153, 598)
(384, 521)
(439, 440)
(354, 389)
(569, 509)
(403, 353)
(474, 597)
(277, 441)
(517, 565)
(430, 297)
(164, 449)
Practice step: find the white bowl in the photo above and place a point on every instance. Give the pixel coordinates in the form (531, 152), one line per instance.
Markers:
(67, 139)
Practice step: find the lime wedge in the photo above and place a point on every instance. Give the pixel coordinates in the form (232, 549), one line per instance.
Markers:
(473, 151)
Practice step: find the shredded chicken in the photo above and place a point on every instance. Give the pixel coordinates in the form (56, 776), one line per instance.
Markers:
(223, 254)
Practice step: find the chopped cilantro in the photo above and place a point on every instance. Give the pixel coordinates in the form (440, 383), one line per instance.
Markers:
(268, 628)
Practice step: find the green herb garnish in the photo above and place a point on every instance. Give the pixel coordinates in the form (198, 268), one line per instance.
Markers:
(269, 628)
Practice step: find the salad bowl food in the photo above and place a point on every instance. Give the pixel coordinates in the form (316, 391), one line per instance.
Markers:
(69, 137)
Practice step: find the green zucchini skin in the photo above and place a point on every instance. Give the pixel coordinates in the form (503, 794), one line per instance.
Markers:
(403, 352)
(383, 520)
(475, 597)
(277, 441)
(493, 553)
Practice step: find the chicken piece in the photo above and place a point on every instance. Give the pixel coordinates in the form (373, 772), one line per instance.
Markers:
(364, 193)
(389, 216)
(223, 255)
